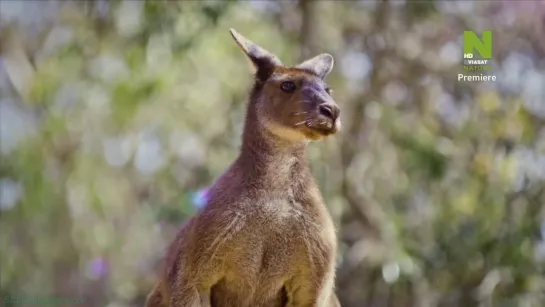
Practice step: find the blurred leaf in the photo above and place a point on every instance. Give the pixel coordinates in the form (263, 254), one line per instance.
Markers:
(489, 101)
(128, 96)
(420, 157)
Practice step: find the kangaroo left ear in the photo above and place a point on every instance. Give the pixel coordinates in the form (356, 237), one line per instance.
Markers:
(320, 65)
(263, 60)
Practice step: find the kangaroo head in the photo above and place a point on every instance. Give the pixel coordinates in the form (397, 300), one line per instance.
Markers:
(293, 103)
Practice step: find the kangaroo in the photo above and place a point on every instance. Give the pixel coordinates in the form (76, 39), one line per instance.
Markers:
(265, 237)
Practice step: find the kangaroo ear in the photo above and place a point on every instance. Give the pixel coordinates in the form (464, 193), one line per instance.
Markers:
(320, 65)
(263, 60)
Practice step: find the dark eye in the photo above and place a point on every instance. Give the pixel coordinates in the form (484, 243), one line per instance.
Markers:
(288, 87)
(329, 91)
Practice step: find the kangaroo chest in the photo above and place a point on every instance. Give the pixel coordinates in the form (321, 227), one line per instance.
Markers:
(279, 229)
(289, 236)
(297, 227)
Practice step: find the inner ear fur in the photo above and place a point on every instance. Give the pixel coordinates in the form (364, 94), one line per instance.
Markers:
(263, 60)
(320, 65)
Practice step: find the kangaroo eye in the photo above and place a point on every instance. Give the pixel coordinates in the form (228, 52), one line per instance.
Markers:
(329, 91)
(288, 87)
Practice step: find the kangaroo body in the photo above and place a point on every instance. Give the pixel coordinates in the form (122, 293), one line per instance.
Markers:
(265, 237)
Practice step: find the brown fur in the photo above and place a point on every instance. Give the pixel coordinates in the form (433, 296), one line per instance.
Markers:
(265, 237)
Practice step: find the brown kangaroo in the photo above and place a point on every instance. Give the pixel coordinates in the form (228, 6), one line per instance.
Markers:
(265, 237)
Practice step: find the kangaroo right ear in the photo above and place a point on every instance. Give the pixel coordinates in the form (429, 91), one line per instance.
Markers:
(320, 65)
(263, 60)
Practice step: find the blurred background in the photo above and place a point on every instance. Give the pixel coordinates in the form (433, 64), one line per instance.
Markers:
(116, 115)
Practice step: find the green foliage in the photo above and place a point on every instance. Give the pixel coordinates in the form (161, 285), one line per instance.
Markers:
(438, 202)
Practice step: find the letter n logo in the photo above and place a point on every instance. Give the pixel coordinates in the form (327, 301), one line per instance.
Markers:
(473, 42)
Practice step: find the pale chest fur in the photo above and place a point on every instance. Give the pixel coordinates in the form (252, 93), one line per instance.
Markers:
(302, 218)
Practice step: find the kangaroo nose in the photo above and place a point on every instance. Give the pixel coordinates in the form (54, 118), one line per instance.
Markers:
(329, 110)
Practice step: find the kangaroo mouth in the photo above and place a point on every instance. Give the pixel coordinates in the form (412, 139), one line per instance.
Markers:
(323, 127)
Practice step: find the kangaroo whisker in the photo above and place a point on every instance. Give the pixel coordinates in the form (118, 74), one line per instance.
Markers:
(302, 122)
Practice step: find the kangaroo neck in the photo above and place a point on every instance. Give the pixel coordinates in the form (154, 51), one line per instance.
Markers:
(267, 158)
